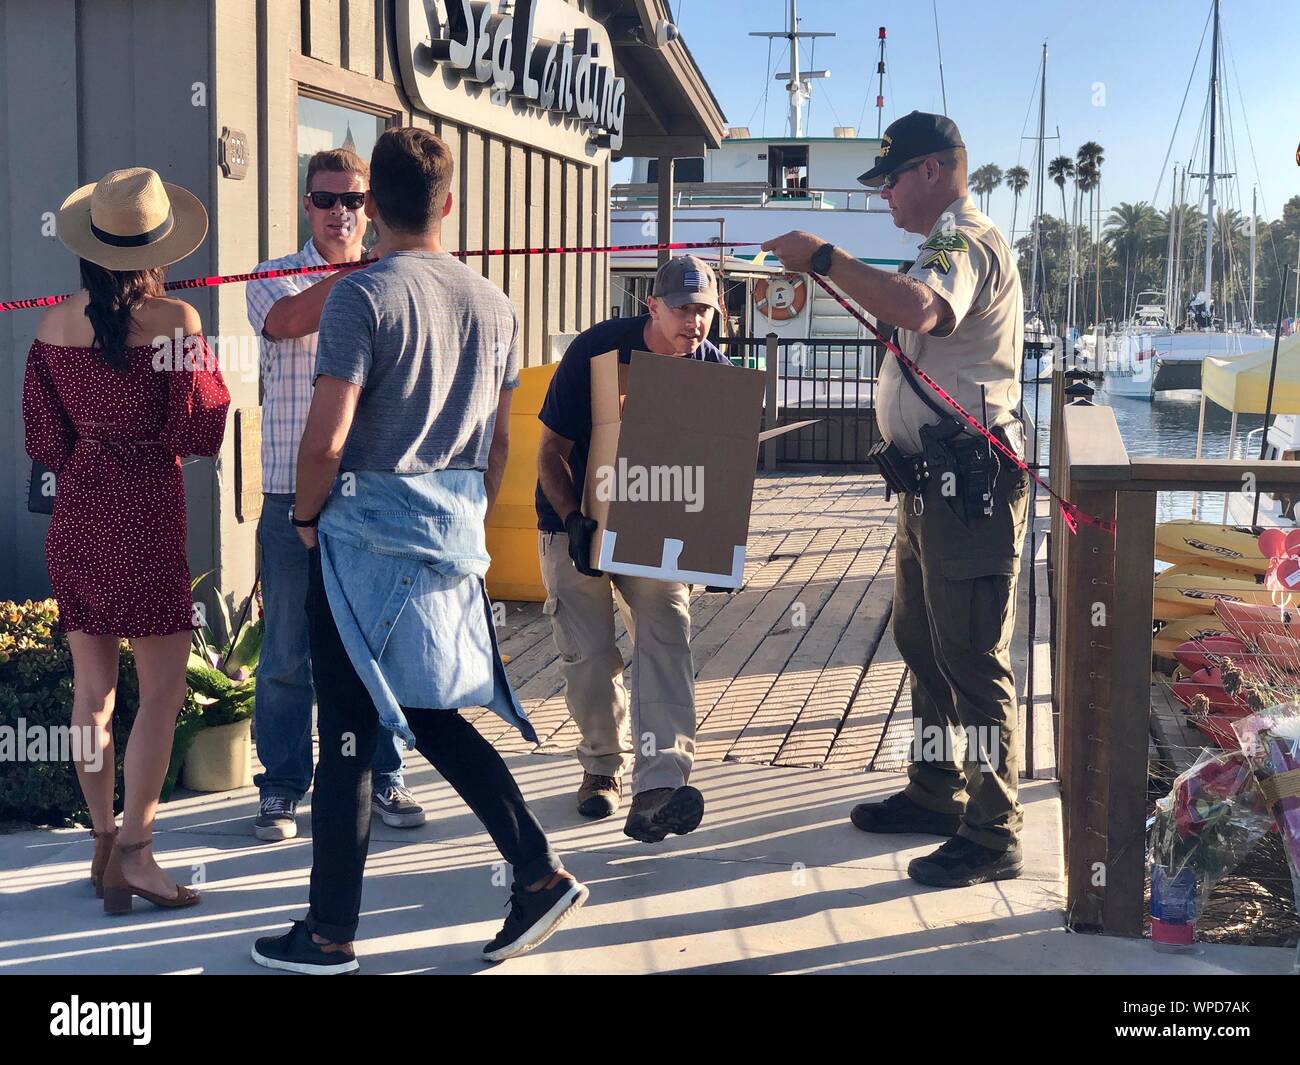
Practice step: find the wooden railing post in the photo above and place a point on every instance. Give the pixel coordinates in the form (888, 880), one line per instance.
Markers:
(1092, 462)
(1089, 566)
(1127, 716)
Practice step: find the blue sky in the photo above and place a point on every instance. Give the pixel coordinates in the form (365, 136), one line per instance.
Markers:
(1139, 51)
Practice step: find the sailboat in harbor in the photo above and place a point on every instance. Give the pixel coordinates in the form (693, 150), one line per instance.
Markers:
(1163, 342)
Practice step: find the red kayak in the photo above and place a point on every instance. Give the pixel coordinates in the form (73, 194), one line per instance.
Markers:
(1209, 682)
(1248, 621)
(1217, 728)
(1281, 652)
(1205, 652)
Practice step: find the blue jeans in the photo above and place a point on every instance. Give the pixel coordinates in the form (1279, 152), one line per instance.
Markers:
(282, 714)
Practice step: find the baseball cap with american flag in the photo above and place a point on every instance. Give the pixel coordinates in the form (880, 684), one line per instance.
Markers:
(687, 279)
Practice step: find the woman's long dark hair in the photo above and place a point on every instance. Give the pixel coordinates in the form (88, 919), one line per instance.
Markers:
(114, 295)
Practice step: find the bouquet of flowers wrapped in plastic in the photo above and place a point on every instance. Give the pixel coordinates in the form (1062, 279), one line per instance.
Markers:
(1201, 831)
(1270, 744)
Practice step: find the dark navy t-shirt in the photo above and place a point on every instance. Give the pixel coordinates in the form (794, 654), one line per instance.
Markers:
(567, 409)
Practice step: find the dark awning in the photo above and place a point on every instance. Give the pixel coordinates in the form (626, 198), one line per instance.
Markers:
(671, 111)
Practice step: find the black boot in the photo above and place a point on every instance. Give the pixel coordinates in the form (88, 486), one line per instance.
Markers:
(900, 814)
(961, 863)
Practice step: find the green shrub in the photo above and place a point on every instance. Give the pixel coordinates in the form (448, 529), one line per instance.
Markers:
(36, 687)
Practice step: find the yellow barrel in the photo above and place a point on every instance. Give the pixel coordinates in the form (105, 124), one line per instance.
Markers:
(516, 571)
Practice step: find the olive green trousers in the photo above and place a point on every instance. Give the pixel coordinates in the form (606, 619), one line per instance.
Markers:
(953, 618)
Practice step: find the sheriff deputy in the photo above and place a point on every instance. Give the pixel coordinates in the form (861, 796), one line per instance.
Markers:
(961, 506)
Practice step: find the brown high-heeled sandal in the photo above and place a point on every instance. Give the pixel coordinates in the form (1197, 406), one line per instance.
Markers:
(118, 891)
(103, 848)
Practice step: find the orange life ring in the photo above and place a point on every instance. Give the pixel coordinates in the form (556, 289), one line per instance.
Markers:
(782, 298)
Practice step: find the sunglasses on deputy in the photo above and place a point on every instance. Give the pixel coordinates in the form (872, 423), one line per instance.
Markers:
(892, 179)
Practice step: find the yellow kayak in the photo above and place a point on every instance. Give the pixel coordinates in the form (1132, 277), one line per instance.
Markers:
(1178, 632)
(1202, 590)
(1205, 542)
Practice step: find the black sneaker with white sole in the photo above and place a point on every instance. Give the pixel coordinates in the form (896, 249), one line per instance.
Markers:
(397, 806)
(659, 811)
(277, 819)
(297, 952)
(533, 916)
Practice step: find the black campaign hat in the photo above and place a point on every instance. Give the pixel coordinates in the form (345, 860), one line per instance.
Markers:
(910, 137)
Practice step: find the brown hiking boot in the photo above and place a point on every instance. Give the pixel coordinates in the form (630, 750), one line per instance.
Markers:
(659, 811)
(599, 796)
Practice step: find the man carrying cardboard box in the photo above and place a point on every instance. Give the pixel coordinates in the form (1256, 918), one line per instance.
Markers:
(680, 312)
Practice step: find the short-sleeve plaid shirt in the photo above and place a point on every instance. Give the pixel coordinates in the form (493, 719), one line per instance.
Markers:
(287, 369)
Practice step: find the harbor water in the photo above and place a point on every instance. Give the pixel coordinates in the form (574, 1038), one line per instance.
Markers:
(1164, 427)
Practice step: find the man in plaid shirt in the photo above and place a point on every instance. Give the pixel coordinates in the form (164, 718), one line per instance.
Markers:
(285, 312)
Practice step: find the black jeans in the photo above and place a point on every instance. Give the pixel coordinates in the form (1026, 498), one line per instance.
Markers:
(340, 807)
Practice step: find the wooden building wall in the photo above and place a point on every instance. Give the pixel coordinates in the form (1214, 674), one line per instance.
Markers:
(91, 87)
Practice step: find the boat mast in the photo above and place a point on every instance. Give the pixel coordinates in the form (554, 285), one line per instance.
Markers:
(1038, 213)
(1209, 217)
(1250, 315)
(1169, 251)
(1179, 309)
(797, 86)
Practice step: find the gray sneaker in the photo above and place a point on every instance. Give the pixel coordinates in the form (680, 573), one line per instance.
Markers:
(277, 819)
(398, 808)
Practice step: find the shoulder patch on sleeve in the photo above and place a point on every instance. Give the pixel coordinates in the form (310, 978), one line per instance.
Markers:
(943, 245)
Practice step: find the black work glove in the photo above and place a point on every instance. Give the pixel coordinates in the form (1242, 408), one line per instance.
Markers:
(581, 529)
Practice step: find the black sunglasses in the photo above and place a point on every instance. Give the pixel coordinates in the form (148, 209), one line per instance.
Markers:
(892, 179)
(353, 201)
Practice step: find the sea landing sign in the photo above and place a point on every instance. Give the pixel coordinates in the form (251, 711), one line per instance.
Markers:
(543, 54)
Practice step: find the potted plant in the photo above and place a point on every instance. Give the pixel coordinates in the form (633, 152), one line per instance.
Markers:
(213, 745)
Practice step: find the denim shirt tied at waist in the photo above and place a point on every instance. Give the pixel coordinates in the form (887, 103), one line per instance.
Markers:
(403, 558)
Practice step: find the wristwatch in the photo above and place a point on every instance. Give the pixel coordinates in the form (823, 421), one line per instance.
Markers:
(309, 523)
(821, 259)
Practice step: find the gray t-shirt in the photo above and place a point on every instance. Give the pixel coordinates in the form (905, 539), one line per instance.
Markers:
(431, 343)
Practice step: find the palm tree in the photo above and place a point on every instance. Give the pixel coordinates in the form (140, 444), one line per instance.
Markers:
(1017, 180)
(984, 180)
(1091, 155)
(1129, 228)
(992, 181)
(980, 185)
(1061, 170)
(1086, 177)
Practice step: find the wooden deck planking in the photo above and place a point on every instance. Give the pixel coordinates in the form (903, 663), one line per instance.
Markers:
(771, 722)
(859, 738)
(753, 684)
(828, 693)
(768, 559)
(809, 740)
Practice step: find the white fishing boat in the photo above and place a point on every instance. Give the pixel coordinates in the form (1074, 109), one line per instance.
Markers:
(1129, 354)
(753, 188)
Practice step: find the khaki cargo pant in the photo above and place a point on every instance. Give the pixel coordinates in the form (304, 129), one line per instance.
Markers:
(659, 734)
(954, 615)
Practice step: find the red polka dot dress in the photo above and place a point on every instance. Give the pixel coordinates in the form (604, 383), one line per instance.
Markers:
(116, 545)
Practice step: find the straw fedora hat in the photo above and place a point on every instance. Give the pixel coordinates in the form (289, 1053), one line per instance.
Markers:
(132, 220)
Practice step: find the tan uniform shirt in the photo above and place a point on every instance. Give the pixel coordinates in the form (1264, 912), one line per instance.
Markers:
(966, 260)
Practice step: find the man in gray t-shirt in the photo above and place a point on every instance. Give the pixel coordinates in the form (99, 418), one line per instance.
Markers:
(415, 364)
(432, 344)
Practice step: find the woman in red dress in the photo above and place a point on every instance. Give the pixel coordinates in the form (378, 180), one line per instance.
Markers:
(111, 411)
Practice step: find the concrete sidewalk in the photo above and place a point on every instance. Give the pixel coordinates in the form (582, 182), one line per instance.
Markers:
(774, 881)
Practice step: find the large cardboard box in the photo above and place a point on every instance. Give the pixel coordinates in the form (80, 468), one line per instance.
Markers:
(670, 470)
